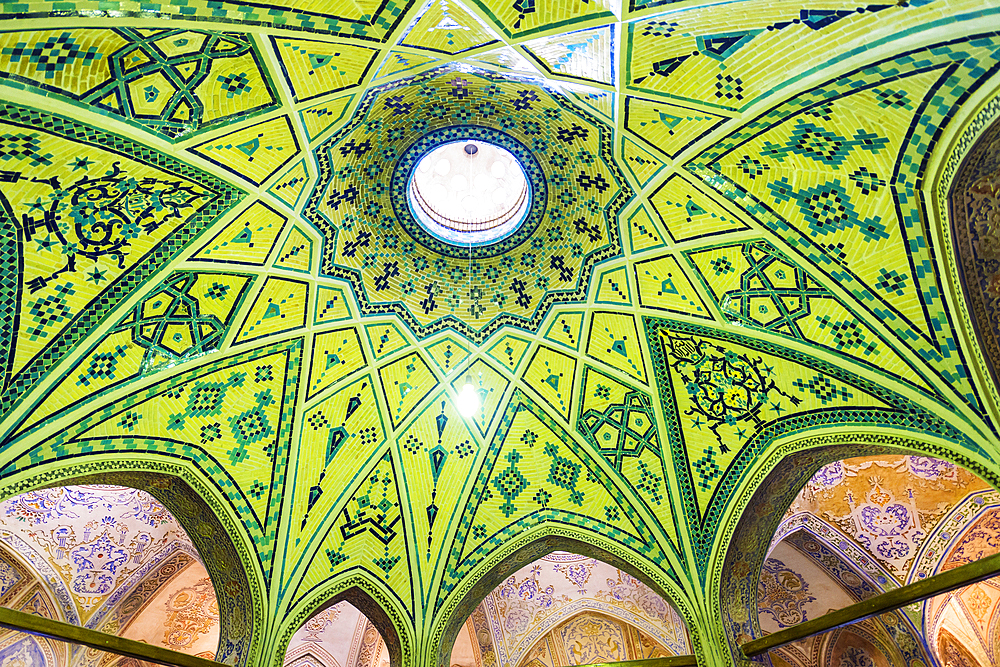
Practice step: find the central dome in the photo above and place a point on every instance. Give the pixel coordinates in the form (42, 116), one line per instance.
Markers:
(469, 193)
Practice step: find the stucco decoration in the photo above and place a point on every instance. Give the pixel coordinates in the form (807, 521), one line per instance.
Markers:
(548, 592)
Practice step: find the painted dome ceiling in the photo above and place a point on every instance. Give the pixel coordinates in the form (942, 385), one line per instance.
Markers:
(753, 229)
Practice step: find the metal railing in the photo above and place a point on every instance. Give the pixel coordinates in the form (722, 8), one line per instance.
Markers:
(475, 225)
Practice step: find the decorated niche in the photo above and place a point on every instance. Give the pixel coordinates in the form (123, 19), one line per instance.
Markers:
(567, 609)
(338, 636)
(975, 232)
(109, 558)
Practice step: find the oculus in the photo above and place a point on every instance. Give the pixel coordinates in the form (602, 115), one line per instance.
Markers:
(469, 193)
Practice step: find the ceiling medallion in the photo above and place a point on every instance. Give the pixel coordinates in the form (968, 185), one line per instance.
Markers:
(541, 247)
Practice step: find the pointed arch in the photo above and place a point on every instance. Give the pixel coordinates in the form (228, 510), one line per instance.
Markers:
(766, 493)
(364, 593)
(529, 547)
(203, 516)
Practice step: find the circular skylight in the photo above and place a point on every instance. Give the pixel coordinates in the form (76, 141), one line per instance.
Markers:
(469, 193)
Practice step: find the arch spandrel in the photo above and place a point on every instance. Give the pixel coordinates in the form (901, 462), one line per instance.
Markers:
(216, 535)
(758, 511)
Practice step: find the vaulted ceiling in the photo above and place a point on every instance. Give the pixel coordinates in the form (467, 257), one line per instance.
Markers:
(752, 235)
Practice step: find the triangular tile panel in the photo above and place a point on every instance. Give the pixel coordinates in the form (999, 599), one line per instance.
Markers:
(612, 287)
(400, 61)
(331, 305)
(755, 286)
(405, 382)
(490, 386)
(552, 375)
(335, 355)
(643, 164)
(291, 185)
(247, 239)
(534, 472)
(688, 213)
(280, 306)
(614, 340)
(385, 339)
(668, 127)
(642, 231)
(255, 152)
(663, 285)
(509, 351)
(341, 438)
(318, 68)
(448, 353)
(446, 26)
(587, 55)
(566, 329)
(506, 58)
(296, 253)
(321, 117)
(601, 102)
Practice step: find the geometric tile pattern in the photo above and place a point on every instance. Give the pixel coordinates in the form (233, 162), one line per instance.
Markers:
(172, 82)
(734, 253)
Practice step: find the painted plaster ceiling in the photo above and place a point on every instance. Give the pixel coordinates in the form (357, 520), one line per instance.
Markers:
(739, 246)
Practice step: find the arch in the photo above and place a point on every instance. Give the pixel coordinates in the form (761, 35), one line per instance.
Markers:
(767, 493)
(529, 547)
(204, 518)
(365, 595)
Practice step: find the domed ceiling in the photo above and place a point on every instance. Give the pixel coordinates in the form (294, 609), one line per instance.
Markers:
(738, 246)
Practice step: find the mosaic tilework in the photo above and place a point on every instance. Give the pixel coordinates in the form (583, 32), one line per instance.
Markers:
(523, 18)
(321, 117)
(754, 285)
(255, 152)
(230, 418)
(385, 339)
(587, 55)
(614, 340)
(280, 306)
(642, 231)
(726, 397)
(439, 454)
(331, 305)
(296, 253)
(643, 164)
(368, 533)
(973, 230)
(347, 421)
(448, 353)
(292, 185)
(664, 285)
(447, 26)
(399, 61)
(428, 283)
(823, 186)
(73, 273)
(405, 383)
(688, 214)
(552, 374)
(247, 239)
(693, 57)
(566, 328)
(533, 473)
(186, 317)
(336, 354)
(490, 387)
(613, 287)
(509, 351)
(668, 127)
(173, 82)
(318, 68)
